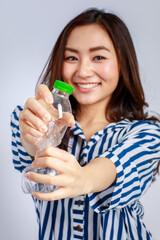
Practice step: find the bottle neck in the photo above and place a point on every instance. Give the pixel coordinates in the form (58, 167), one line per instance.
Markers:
(60, 93)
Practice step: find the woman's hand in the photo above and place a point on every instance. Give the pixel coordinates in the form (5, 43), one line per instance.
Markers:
(37, 111)
(72, 178)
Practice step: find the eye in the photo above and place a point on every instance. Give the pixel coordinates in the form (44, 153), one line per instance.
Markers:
(99, 58)
(71, 58)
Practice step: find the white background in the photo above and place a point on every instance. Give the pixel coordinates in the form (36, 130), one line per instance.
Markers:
(28, 30)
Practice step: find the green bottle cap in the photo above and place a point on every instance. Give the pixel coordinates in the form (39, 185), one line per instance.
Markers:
(62, 86)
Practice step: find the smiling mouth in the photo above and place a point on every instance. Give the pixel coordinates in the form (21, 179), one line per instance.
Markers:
(87, 85)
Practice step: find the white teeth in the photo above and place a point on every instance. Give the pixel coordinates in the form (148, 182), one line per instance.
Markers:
(91, 85)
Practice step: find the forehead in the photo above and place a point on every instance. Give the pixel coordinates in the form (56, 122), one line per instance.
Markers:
(92, 35)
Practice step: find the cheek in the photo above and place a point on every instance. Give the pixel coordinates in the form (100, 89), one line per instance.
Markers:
(106, 70)
(63, 71)
(66, 73)
(110, 72)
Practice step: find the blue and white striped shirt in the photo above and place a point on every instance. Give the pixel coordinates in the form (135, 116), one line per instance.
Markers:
(115, 213)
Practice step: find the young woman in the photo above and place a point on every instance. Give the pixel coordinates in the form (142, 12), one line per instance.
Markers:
(109, 156)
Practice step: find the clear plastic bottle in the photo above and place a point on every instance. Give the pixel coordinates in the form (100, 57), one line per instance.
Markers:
(53, 137)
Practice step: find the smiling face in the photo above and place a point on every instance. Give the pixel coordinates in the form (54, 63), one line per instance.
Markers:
(90, 65)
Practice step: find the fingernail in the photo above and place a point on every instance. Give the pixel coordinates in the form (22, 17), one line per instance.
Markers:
(44, 128)
(71, 122)
(47, 116)
(39, 134)
(49, 99)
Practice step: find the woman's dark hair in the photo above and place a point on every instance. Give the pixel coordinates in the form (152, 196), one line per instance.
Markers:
(128, 99)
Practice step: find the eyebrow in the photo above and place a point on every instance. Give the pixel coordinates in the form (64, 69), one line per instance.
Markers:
(91, 49)
(99, 48)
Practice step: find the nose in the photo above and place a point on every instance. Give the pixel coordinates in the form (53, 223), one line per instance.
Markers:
(85, 68)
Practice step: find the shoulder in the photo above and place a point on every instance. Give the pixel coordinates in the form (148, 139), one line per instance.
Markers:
(140, 128)
(133, 125)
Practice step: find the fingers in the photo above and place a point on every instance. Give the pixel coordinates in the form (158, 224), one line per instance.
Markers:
(57, 159)
(28, 117)
(37, 109)
(43, 92)
(25, 128)
(53, 163)
(43, 179)
(53, 180)
(42, 107)
(55, 153)
(34, 118)
(70, 177)
(58, 180)
(60, 193)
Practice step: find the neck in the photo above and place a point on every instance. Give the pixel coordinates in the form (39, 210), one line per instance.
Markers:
(91, 119)
(91, 113)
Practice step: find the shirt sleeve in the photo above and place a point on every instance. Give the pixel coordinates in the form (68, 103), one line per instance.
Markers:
(21, 158)
(136, 158)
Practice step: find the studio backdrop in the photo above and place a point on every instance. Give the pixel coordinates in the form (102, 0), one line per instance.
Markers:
(28, 32)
